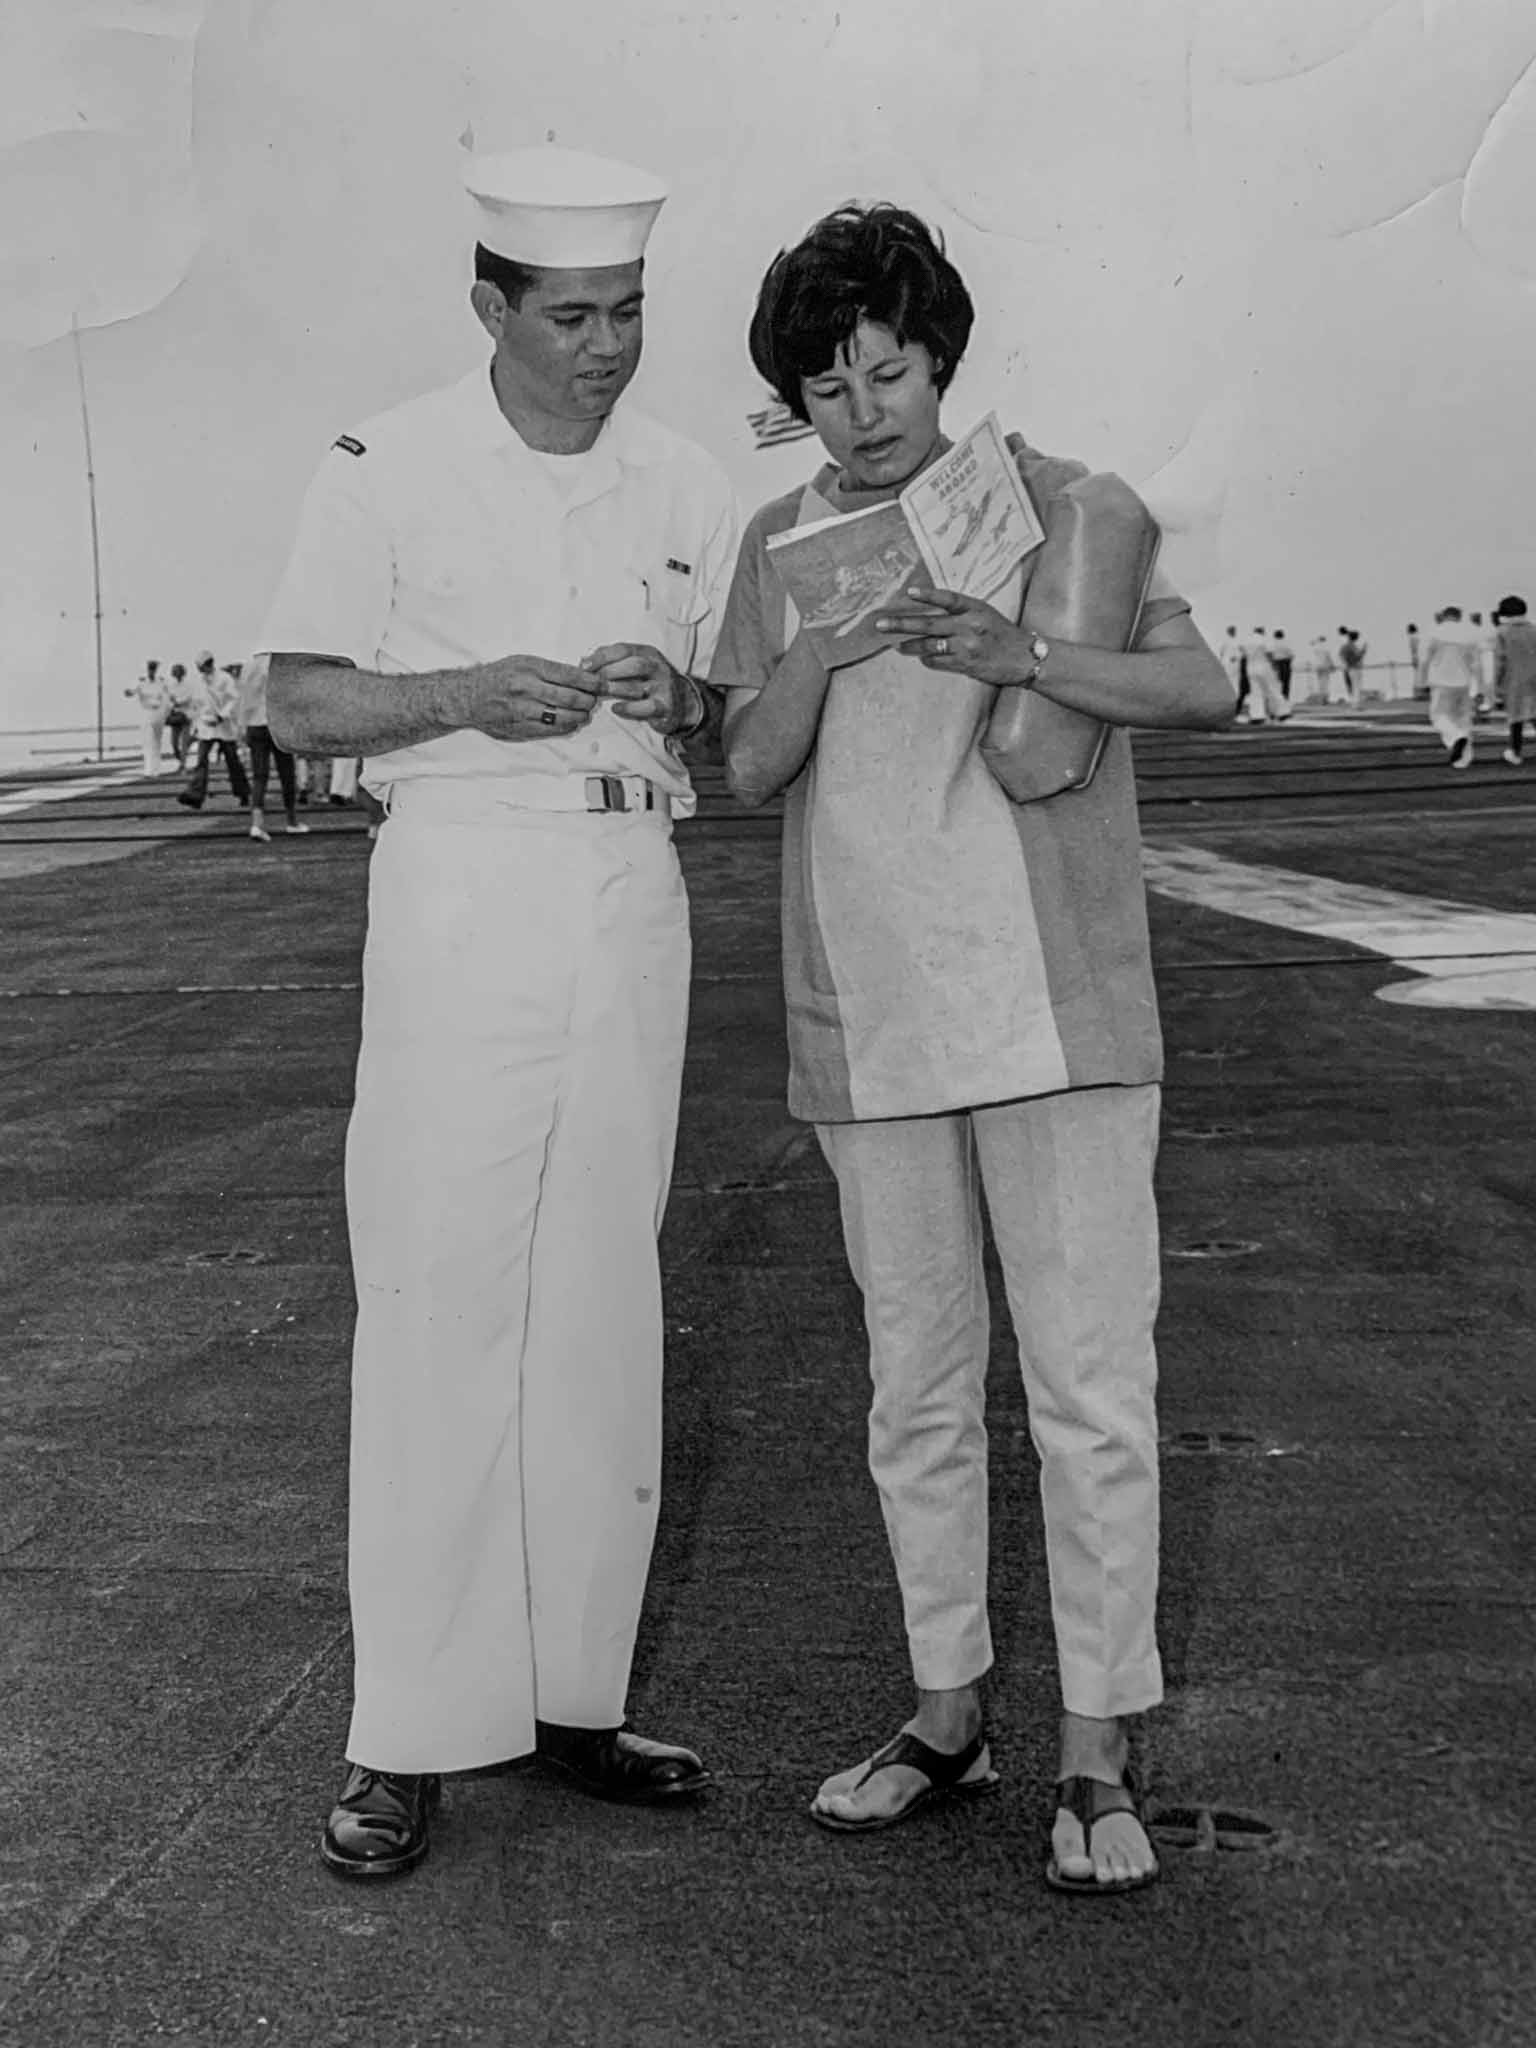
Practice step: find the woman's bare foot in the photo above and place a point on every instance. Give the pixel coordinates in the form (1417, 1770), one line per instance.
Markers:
(1121, 1853)
(946, 1721)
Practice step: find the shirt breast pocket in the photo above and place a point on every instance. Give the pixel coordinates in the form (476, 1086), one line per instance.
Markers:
(446, 566)
(680, 608)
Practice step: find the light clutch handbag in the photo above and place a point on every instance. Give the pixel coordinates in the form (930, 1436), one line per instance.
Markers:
(1086, 584)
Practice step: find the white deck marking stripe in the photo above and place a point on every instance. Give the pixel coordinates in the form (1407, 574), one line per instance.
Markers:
(1436, 936)
(30, 795)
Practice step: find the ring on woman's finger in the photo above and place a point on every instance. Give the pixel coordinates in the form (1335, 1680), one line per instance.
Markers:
(941, 645)
(547, 718)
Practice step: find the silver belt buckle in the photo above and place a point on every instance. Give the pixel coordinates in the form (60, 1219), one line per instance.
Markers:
(606, 793)
(610, 793)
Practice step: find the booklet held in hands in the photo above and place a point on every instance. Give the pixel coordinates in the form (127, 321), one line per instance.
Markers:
(964, 524)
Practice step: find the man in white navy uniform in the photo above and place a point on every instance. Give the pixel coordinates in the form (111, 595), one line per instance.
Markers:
(501, 596)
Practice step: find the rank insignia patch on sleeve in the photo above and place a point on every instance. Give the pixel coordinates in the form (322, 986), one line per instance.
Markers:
(352, 447)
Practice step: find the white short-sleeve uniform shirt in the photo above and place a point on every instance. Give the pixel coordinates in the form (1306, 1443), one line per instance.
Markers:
(436, 538)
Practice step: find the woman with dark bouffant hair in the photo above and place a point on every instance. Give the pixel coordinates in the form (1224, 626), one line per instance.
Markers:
(970, 1008)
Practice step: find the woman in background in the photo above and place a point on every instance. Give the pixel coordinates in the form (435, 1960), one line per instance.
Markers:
(970, 1006)
(265, 753)
(1515, 686)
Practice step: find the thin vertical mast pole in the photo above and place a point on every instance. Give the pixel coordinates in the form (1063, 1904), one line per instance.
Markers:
(90, 485)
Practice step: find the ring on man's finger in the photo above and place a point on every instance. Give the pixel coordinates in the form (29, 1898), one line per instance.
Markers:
(941, 645)
(547, 718)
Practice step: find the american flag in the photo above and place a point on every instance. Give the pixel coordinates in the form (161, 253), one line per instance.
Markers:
(775, 423)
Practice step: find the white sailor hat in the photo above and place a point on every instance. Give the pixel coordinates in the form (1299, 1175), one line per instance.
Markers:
(561, 209)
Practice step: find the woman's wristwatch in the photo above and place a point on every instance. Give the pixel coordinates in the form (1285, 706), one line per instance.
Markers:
(1039, 653)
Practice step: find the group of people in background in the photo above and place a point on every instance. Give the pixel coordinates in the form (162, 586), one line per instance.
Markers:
(185, 720)
(1343, 658)
(1260, 666)
(1467, 667)
(1259, 669)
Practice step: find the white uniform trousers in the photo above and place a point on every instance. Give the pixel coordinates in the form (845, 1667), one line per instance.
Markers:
(1451, 712)
(524, 1010)
(1068, 1182)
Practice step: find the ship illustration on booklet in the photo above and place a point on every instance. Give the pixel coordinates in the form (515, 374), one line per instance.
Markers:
(964, 524)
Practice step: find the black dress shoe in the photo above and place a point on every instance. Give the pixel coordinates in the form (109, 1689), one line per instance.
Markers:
(614, 1764)
(379, 1826)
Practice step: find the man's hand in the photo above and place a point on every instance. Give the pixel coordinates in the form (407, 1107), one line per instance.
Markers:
(525, 697)
(642, 684)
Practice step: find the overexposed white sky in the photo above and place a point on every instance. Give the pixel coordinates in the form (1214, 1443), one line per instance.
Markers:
(1274, 260)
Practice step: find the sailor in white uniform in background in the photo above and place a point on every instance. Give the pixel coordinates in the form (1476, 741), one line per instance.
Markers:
(153, 690)
(501, 597)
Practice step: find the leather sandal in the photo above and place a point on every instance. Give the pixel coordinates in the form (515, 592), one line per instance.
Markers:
(945, 1773)
(1087, 1800)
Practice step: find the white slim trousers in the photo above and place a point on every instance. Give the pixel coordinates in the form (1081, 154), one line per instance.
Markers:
(1068, 1181)
(524, 1009)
